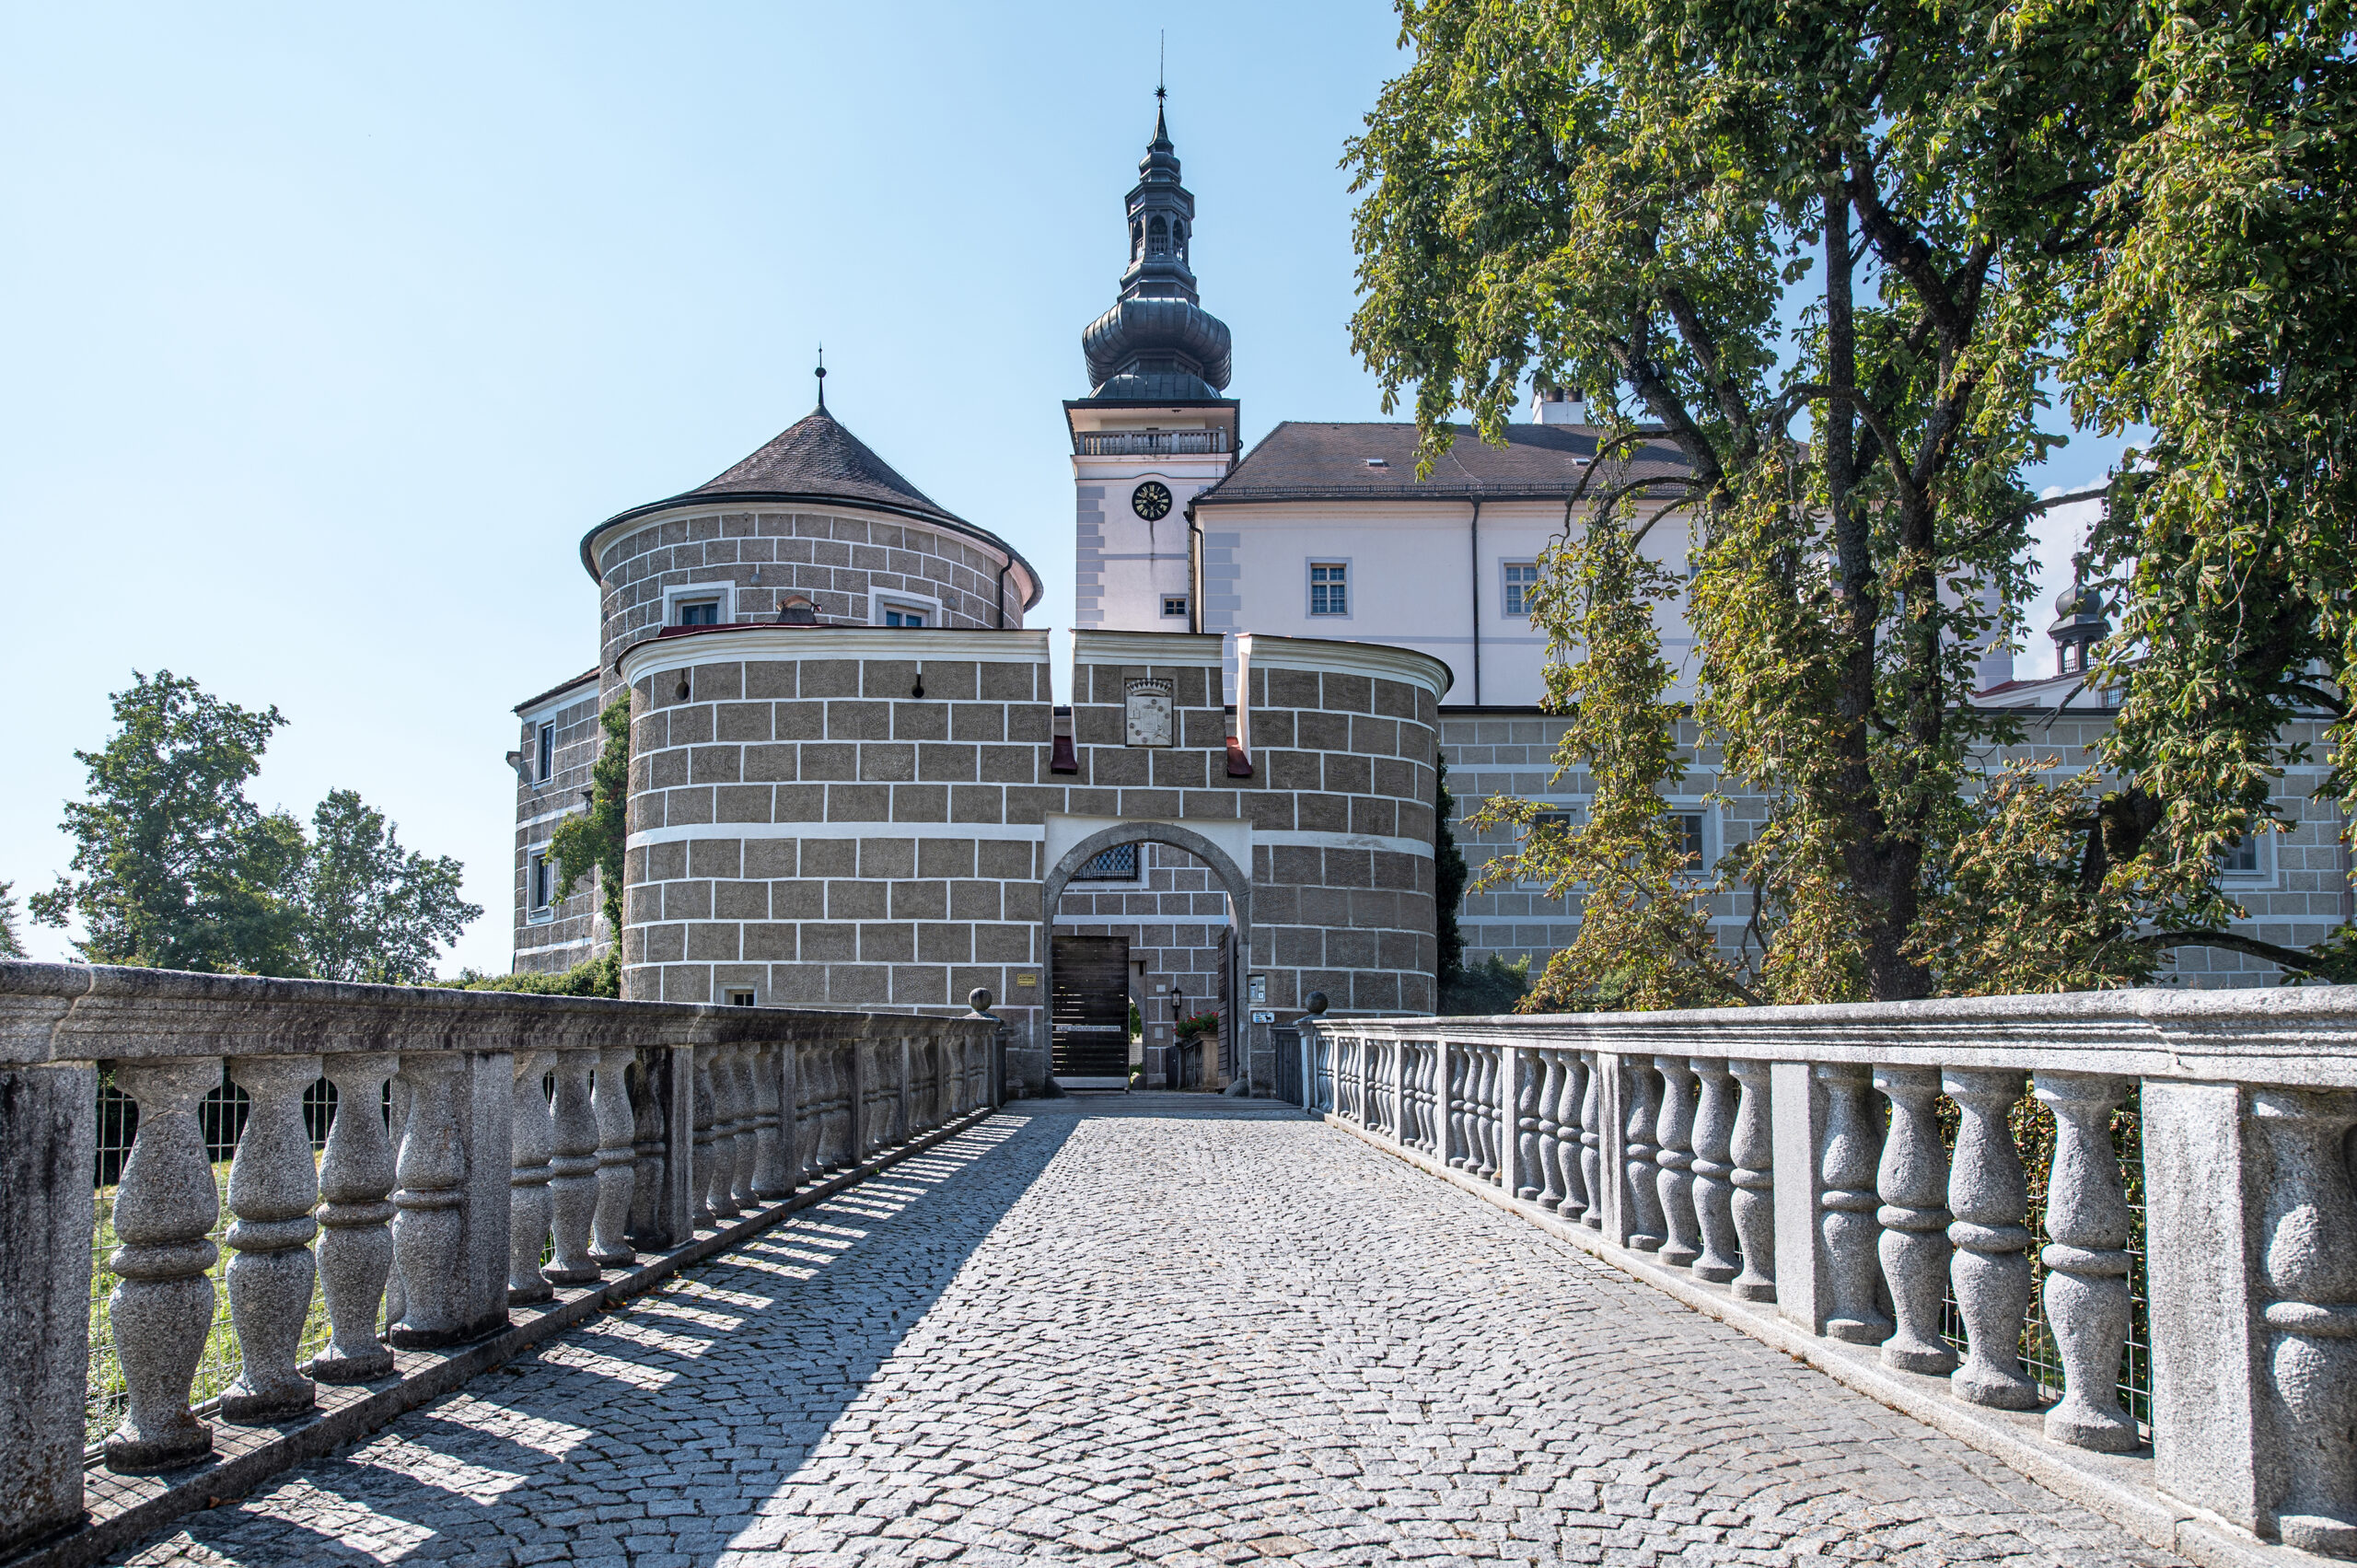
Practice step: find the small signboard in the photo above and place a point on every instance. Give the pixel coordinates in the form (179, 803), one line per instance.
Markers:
(1264, 1015)
(1031, 980)
(1150, 723)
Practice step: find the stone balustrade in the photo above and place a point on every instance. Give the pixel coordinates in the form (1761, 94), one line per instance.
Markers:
(487, 1151)
(1852, 1175)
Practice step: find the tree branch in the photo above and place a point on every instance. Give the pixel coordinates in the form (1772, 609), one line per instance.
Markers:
(2250, 946)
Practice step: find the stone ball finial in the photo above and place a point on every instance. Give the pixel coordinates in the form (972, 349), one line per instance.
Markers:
(1317, 1003)
(978, 999)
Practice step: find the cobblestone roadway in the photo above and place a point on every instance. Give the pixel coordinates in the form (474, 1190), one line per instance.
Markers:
(1170, 1329)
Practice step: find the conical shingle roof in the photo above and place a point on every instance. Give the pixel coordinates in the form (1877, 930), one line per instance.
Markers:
(817, 457)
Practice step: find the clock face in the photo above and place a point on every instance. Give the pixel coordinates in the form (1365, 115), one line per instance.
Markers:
(1151, 500)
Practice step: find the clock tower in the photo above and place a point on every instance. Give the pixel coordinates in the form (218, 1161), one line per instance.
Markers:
(1155, 428)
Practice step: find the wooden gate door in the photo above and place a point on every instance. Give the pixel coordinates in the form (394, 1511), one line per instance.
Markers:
(1090, 1012)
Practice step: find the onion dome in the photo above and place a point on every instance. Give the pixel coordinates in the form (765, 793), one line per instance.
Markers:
(1157, 343)
(2079, 616)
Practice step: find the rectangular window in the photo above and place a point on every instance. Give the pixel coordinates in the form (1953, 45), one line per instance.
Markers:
(1521, 577)
(700, 612)
(2241, 858)
(1174, 605)
(547, 752)
(540, 884)
(1690, 837)
(1330, 587)
(1119, 864)
(741, 999)
(903, 618)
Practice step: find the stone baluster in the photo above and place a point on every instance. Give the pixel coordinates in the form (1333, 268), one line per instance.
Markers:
(773, 1127)
(429, 1225)
(1458, 1146)
(810, 1095)
(701, 1156)
(720, 1173)
(1545, 1149)
(396, 1128)
(748, 1127)
(2309, 1264)
(2086, 1261)
(273, 1186)
(1490, 1100)
(1847, 1200)
(1754, 1206)
(1640, 1186)
(838, 1115)
(1674, 1153)
(1569, 1096)
(904, 1099)
(161, 1307)
(1913, 1183)
(1592, 1172)
(356, 1242)
(1721, 1257)
(532, 1139)
(1990, 1272)
(649, 1169)
(609, 1113)
(572, 1171)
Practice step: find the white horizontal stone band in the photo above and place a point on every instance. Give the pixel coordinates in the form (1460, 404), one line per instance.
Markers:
(1002, 831)
(1305, 838)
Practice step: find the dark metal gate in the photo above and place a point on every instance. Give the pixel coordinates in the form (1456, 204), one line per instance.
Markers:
(1089, 1011)
(1288, 1043)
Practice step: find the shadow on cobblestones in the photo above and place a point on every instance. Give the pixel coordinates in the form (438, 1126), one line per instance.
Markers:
(1155, 1329)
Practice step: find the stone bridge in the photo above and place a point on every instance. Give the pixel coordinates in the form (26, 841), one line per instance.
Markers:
(925, 1326)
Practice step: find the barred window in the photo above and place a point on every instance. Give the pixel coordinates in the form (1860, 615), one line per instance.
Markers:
(1119, 864)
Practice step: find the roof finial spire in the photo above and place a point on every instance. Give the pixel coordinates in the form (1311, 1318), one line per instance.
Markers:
(1161, 91)
(822, 375)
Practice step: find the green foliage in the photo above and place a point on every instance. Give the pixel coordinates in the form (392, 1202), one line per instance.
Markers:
(2225, 317)
(178, 870)
(371, 911)
(591, 843)
(175, 867)
(1448, 879)
(591, 977)
(11, 944)
(1956, 205)
(1487, 989)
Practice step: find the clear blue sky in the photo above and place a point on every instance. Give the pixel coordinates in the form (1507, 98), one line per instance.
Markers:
(330, 330)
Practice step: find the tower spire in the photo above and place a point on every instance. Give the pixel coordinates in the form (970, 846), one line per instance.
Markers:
(1157, 340)
(822, 375)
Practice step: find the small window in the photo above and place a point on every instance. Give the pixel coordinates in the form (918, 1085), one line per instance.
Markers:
(1521, 577)
(741, 999)
(1688, 824)
(1330, 590)
(545, 757)
(700, 612)
(1174, 605)
(2244, 857)
(1119, 864)
(903, 618)
(540, 886)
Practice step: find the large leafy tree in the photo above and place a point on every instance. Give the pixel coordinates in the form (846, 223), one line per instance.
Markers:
(371, 911)
(1832, 254)
(11, 944)
(174, 867)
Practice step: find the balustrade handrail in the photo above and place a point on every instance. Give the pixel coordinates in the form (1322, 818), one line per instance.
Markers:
(2303, 1036)
(481, 1151)
(1855, 1174)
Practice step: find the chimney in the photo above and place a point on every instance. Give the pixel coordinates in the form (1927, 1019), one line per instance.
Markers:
(1549, 404)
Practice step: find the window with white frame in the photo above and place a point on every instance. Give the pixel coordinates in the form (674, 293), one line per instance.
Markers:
(904, 609)
(700, 604)
(544, 754)
(1549, 821)
(1174, 605)
(1330, 587)
(1521, 577)
(741, 999)
(2249, 858)
(540, 886)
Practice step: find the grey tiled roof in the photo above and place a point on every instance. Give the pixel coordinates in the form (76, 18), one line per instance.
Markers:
(816, 456)
(1302, 462)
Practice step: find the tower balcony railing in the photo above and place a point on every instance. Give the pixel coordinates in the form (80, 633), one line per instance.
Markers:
(418, 1183)
(1152, 443)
